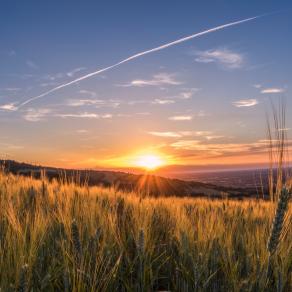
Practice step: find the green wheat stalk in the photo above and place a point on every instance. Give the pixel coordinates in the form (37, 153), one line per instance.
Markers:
(278, 229)
(76, 240)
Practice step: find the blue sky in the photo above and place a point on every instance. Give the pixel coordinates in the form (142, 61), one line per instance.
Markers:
(202, 101)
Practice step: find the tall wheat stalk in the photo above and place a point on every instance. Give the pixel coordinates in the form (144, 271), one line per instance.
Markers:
(277, 149)
(279, 193)
(278, 230)
(281, 223)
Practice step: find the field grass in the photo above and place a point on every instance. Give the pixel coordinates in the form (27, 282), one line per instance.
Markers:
(64, 237)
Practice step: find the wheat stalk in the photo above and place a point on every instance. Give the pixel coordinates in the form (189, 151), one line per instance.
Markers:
(141, 247)
(76, 240)
(278, 222)
(278, 226)
(22, 284)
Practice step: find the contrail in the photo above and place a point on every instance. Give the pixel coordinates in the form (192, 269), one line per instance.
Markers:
(162, 47)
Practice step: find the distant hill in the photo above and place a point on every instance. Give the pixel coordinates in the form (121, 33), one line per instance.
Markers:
(147, 184)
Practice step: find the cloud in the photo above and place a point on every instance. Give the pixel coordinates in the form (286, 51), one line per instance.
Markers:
(187, 93)
(31, 64)
(186, 144)
(272, 90)
(180, 118)
(130, 115)
(15, 147)
(189, 148)
(157, 80)
(258, 86)
(223, 57)
(88, 92)
(179, 134)
(61, 75)
(46, 84)
(53, 77)
(12, 89)
(213, 137)
(74, 71)
(86, 115)
(8, 107)
(97, 103)
(106, 116)
(165, 134)
(35, 115)
(83, 102)
(213, 149)
(82, 131)
(159, 101)
(282, 129)
(11, 146)
(245, 103)
(163, 101)
(195, 133)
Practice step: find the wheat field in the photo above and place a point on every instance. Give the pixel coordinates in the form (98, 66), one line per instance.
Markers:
(58, 236)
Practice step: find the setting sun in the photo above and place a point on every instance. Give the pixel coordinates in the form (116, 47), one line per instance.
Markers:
(149, 162)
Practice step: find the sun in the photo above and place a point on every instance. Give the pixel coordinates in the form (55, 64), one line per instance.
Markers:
(149, 161)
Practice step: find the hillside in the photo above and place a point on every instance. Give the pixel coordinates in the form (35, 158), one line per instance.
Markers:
(144, 184)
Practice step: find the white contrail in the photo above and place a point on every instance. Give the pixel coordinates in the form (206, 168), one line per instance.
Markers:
(162, 47)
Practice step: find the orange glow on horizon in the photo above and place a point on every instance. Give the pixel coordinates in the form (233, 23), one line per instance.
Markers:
(149, 161)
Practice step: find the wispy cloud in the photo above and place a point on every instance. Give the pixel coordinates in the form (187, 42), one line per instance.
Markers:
(282, 129)
(165, 134)
(85, 115)
(74, 71)
(36, 115)
(31, 64)
(97, 103)
(12, 89)
(272, 90)
(214, 137)
(157, 80)
(8, 107)
(61, 75)
(82, 131)
(46, 84)
(180, 118)
(53, 76)
(187, 93)
(186, 144)
(163, 101)
(224, 57)
(211, 149)
(88, 92)
(208, 149)
(130, 115)
(159, 101)
(83, 102)
(245, 103)
(258, 86)
(179, 134)
(11, 146)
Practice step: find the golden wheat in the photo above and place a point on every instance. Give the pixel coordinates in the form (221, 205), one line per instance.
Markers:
(64, 237)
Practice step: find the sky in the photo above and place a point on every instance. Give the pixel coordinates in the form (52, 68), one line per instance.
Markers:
(199, 102)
